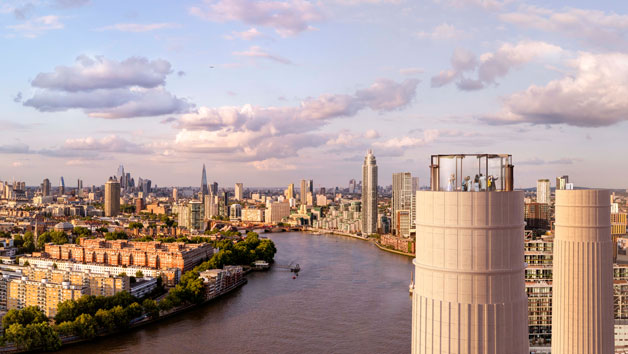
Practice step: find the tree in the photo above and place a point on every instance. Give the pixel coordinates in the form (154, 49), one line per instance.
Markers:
(150, 308)
(65, 328)
(105, 320)
(116, 235)
(25, 316)
(33, 336)
(139, 274)
(136, 225)
(133, 311)
(85, 326)
(81, 231)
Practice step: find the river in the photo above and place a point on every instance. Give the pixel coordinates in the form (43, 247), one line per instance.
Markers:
(349, 297)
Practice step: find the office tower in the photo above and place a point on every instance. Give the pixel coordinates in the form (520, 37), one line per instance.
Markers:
(128, 181)
(204, 187)
(369, 194)
(145, 186)
(175, 194)
(121, 176)
(352, 186)
(469, 294)
(303, 191)
(561, 182)
(239, 191)
(214, 189)
(582, 317)
(322, 191)
(61, 186)
(235, 211)
(543, 191)
(79, 187)
(45, 187)
(289, 192)
(112, 197)
(403, 197)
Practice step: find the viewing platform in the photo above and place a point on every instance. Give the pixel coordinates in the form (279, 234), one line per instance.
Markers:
(471, 173)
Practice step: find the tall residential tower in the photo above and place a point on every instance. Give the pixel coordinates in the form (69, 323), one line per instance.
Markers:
(543, 191)
(369, 194)
(403, 203)
(112, 197)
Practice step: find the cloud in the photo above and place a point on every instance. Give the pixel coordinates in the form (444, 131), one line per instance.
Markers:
(17, 163)
(484, 4)
(24, 11)
(247, 35)
(257, 52)
(18, 97)
(17, 148)
(108, 89)
(139, 27)
(89, 73)
(111, 143)
(37, 26)
(66, 4)
(443, 31)
(347, 139)
(593, 95)
(411, 71)
(491, 66)
(251, 133)
(272, 164)
(595, 27)
(288, 17)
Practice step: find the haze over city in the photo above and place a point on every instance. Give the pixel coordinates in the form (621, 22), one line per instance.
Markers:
(271, 92)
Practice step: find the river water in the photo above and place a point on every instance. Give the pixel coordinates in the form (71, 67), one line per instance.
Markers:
(349, 297)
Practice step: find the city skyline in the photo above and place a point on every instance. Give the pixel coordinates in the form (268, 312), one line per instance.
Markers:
(173, 88)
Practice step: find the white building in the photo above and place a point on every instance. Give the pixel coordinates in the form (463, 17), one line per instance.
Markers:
(369, 194)
(543, 192)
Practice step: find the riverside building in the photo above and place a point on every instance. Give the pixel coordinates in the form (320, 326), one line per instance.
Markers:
(469, 295)
(369, 194)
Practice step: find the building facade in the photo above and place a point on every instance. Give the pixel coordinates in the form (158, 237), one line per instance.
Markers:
(369, 194)
(112, 197)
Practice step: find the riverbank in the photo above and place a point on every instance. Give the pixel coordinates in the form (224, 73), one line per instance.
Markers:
(380, 246)
(384, 248)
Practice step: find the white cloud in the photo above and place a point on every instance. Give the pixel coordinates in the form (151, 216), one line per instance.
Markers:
(258, 52)
(37, 26)
(596, 27)
(253, 133)
(108, 89)
(272, 165)
(139, 27)
(411, 71)
(491, 66)
(247, 35)
(111, 143)
(288, 18)
(594, 95)
(485, 4)
(443, 31)
(99, 73)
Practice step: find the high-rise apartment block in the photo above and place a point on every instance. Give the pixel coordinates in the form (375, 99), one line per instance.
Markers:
(403, 203)
(469, 294)
(582, 317)
(239, 192)
(307, 186)
(543, 193)
(45, 187)
(112, 197)
(369, 194)
(562, 182)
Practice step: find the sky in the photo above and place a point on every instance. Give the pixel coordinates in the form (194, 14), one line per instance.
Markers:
(271, 92)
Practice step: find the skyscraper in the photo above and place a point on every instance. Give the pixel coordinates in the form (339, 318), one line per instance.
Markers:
(45, 187)
(403, 203)
(469, 294)
(239, 191)
(561, 182)
(289, 193)
(79, 187)
(61, 186)
(204, 187)
(121, 176)
(369, 194)
(352, 186)
(112, 197)
(543, 191)
(307, 186)
(582, 316)
(214, 189)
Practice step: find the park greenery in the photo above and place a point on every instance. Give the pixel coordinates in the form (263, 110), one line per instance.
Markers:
(29, 329)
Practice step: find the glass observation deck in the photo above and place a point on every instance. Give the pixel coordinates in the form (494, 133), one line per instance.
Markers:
(471, 172)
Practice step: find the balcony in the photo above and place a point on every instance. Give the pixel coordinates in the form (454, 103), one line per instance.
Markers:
(472, 173)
